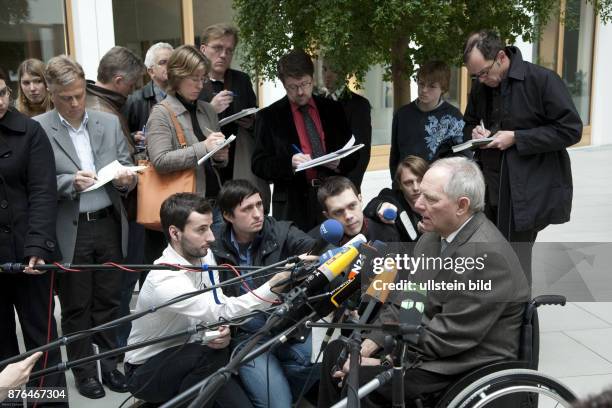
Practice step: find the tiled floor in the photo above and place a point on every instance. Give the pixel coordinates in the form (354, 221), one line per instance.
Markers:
(575, 338)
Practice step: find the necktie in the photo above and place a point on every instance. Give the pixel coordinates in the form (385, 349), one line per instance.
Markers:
(311, 131)
(443, 245)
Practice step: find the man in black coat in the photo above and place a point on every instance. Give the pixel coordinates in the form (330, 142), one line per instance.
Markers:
(230, 91)
(294, 130)
(533, 118)
(357, 110)
(28, 210)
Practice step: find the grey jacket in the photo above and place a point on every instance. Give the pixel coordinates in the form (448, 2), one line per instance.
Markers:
(107, 144)
(466, 329)
(162, 143)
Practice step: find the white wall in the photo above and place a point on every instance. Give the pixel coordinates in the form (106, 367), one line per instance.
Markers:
(602, 88)
(94, 32)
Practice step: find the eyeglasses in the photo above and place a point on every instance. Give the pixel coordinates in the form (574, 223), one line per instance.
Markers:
(218, 49)
(301, 85)
(196, 79)
(162, 62)
(6, 91)
(485, 71)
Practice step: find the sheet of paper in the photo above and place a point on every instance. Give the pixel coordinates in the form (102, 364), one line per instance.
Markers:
(239, 115)
(216, 149)
(107, 173)
(347, 149)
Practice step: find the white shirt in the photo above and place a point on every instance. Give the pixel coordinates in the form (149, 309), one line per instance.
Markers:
(163, 285)
(454, 234)
(96, 199)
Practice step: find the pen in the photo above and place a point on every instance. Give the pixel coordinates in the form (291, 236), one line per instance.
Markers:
(482, 125)
(297, 149)
(230, 92)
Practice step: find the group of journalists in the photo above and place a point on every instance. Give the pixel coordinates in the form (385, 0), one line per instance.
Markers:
(62, 130)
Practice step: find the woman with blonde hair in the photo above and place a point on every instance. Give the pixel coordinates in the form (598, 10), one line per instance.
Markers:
(187, 72)
(32, 96)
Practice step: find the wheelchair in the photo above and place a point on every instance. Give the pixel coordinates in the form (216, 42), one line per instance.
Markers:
(507, 384)
(510, 384)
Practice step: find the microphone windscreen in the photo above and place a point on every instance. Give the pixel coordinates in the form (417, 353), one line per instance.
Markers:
(331, 231)
(389, 214)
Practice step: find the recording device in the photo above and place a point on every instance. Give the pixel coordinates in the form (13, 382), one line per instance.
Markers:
(331, 232)
(389, 214)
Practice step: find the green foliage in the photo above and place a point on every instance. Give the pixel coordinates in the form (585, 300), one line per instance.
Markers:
(398, 34)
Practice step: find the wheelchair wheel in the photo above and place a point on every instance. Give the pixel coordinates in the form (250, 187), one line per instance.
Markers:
(498, 389)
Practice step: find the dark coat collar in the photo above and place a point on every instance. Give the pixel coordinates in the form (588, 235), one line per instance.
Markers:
(13, 121)
(517, 65)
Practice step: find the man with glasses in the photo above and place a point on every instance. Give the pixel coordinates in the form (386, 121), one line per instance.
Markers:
(294, 130)
(529, 111)
(229, 91)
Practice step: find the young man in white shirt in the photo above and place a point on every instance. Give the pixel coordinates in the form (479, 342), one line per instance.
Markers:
(158, 372)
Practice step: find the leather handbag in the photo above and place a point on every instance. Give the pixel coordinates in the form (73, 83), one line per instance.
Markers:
(154, 188)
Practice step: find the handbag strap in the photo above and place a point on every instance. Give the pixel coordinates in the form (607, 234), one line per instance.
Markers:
(180, 135)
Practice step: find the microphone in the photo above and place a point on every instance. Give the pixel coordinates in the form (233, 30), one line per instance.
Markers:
(327, 255)
(331, 232)
(334, 266)
(389, 214)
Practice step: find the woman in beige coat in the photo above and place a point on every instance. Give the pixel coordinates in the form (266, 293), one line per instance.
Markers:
(187, 72)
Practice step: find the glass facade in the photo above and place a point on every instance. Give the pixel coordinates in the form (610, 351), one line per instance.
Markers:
(142, 23)
(30, 29)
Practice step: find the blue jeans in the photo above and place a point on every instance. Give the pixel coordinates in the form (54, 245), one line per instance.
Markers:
(276, 377)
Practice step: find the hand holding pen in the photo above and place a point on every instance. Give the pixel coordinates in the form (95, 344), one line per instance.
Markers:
(480, 131)
(222, 100)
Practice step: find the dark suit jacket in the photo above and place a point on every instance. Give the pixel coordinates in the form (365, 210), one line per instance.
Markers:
(275, 132)
(357, 111)
(466, 329)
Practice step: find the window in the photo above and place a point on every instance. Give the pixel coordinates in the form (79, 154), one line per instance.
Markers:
(566, 46)
(141, 23)
(30, 29)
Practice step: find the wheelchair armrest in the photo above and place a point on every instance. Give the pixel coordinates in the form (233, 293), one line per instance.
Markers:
(549, 300)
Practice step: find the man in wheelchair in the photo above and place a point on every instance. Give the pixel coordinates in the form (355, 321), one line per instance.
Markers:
(464, 327)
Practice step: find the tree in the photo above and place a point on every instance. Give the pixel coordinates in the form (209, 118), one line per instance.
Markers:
(398, 34)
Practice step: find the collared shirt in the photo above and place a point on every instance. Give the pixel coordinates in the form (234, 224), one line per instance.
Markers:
(159, 93)
(96, 199)
(245, 255)
(298, 119)
(454, 234)
(208, 307)
(300, 126)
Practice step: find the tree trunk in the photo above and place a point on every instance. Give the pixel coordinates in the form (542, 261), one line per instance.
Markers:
(401, 84)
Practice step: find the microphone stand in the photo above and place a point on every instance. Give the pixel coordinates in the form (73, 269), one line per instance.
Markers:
(66, 365)
(400, 332)
(16, 267)
(62, 341)
(207, 388)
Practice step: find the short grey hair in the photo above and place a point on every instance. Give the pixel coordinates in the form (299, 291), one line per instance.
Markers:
(62, 71)
(151, 55)
(120, 61)
(466, 180)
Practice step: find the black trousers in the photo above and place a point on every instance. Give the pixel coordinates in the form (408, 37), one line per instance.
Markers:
(417, 383)
(176, 369)
(92, 297)
(32, 298)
